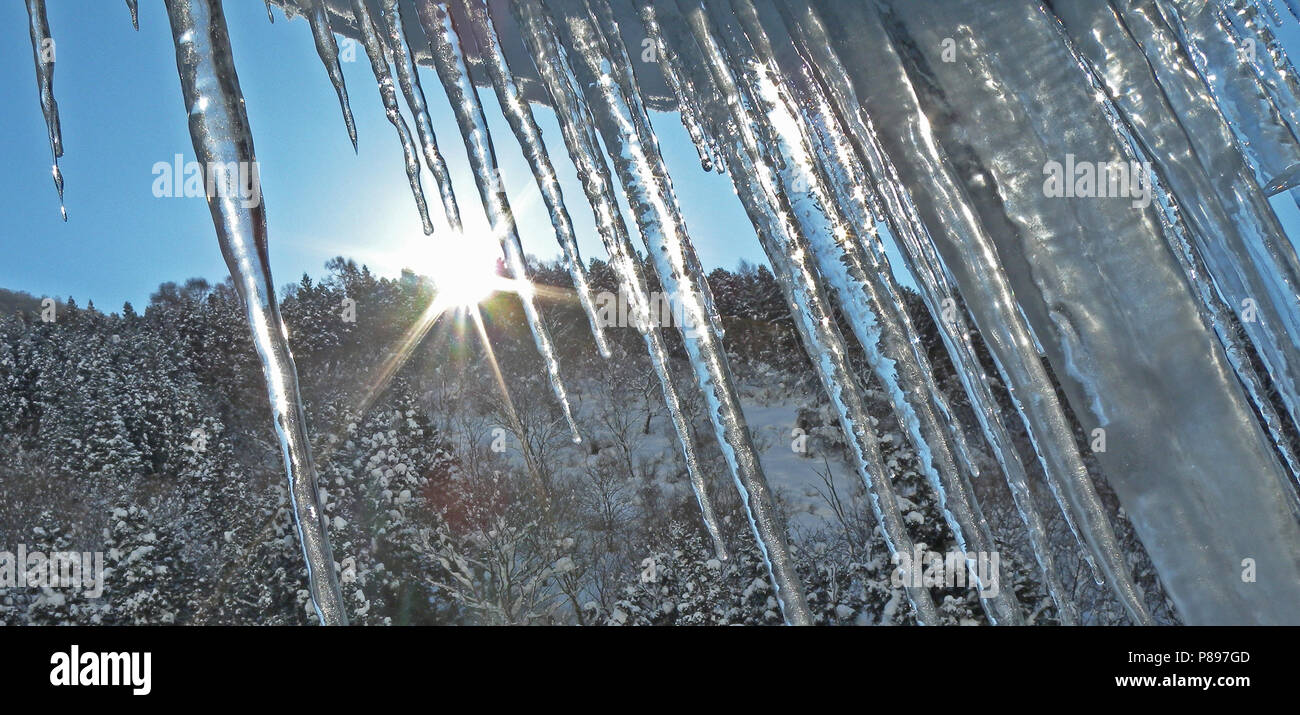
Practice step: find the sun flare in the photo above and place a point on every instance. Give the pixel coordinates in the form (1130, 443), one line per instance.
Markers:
(464, 271)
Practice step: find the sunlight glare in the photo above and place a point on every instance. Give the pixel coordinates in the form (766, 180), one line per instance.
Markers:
(464, 270)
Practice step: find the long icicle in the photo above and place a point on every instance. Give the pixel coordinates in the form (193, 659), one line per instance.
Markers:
(408, 78)
(774, 223)
(379, 64)
(766, 202)
(134, 7)
(577, 128)
(318, 17)
(863, 287)
(644, 178)
(450, 64)
(43, 54)
(524, 126)
(831, 82)
(609, 39)
(222, 137)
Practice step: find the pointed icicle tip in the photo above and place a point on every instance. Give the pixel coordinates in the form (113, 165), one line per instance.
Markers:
(1288, 179)
(134, 7)
(328, 50)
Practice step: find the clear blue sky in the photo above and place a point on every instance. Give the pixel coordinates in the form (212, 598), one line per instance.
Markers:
(121, 109)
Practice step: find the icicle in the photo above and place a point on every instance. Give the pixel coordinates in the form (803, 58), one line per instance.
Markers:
(644, 178)
(1235, 244)
(1081, 268)
(521, 120)
(577, 128)
(863, 288)
(936, 290)
(1264, 133)
(269, 16)
(1271, 9)
(318, 16)
(972, 259)
(608, 40)
(375, 51)
(43, 54)
(134, 7)
(1260, 49)
(450, 65)
(812, 316)
(682, 88)
(758, 186)
(1061, 449)
(222, 137)
(408, 78)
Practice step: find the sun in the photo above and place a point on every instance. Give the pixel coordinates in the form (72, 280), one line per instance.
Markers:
(464, 270)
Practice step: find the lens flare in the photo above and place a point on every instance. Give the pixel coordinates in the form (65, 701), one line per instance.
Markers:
(464, 271)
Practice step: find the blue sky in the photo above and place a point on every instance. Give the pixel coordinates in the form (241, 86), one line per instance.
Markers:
(121, 110)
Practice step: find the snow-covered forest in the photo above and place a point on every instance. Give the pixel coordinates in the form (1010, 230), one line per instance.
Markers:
(141, 433)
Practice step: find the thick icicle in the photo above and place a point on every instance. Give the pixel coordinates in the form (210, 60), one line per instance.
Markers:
(134, 7)
(450, 64)
(1261, 50)
(379, 63)
(43, 54)
(408, 78)
(318, 16)
(649, 192)
(1229, 223)
(1095, 277)
(577, 128)
(831, 82)
(526, 131)
(222, 137)
(1265, 134)
(970, 256)
(828, 213)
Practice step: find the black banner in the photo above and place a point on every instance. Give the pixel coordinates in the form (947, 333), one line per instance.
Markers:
(139, 665)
